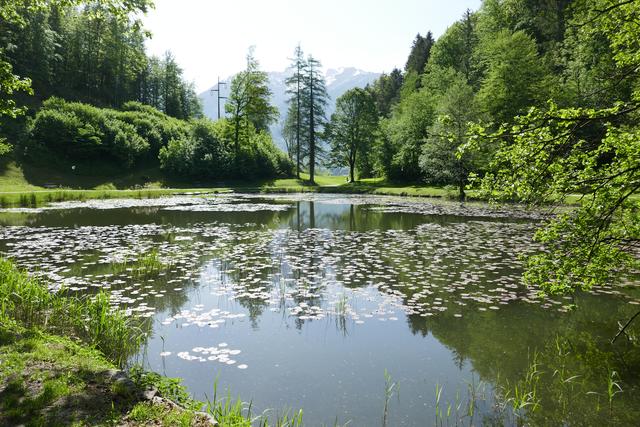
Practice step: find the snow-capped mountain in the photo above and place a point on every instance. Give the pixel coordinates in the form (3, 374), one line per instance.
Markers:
(338, 81)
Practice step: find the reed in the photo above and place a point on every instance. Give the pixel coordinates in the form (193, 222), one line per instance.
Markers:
(93, 320)
(390, 388)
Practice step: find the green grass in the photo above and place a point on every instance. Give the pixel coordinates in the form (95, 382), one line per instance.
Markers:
(12, 179)
(339, 184)
(147, 412)
(92, 320)
(29, 186)
(53, 381)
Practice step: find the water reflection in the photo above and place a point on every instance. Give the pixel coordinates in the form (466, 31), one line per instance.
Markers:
(313, 297)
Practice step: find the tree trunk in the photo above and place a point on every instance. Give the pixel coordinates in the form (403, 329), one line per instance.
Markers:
(312, 134)
(298, 126)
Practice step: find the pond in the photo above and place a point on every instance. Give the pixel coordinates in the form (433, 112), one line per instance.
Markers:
(306, 301)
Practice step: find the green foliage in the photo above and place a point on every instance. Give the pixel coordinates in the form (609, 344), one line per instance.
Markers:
(295, 130)
(91, 52)
(248, 104)
(386, 91)
(546, 158)
(93, 320)
(441, 161)
(4, 148)
(455, 48)
(207, 153)
(404, 134)
(80, 132)
(513, 77)
(170, 388)
(315, 99)
(351, 131)
(552, 153)
(419, 54)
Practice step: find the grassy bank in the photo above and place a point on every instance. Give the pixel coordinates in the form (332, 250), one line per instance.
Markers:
(60, 361)
(50, 380)
(23, 187)
(32, 187)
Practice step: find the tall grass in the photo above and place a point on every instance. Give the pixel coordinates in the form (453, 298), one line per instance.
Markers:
(390, 388)
(234, 412)
(93, 320)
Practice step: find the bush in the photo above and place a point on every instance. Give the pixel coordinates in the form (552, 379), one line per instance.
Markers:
(199, 149)
(155, 127)
(65, 133)
(177, 157)
(207, 153)
(81, 132)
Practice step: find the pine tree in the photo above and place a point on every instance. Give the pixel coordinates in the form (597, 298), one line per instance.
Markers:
(315, 102)
(420, 52)
(295, 86)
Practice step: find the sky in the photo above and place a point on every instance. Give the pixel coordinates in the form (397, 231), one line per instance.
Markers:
(210, 38)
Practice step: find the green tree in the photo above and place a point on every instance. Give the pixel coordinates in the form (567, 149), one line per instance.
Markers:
(553, 152)
(418, 58)
(90, 52)
(352, 128)
(386, 91)
(248, 104)
(441, 161)
(295, 120)
(514, 73)
(315, 102)
(295, 136)
(456, 47)
(404, 134)
(420, 52)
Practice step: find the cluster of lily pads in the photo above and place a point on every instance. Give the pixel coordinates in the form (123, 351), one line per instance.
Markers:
(458, 258)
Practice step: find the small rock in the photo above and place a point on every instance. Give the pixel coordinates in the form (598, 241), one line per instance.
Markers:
(149, 394)
(208, 417)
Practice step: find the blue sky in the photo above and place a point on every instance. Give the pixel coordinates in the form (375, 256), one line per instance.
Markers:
(210, 38)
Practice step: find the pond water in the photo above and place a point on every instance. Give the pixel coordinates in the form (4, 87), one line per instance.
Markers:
(305, 301)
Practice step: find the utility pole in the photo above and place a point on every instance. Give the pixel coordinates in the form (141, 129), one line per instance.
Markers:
(218, 93)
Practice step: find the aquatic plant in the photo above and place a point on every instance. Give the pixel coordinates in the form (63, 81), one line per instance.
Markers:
(234, 412)
(613, 388)
(390, 388)
(148, 264)
(29, 302)
(523, 395)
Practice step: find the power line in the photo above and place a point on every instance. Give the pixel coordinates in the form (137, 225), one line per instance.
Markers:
(218, 93)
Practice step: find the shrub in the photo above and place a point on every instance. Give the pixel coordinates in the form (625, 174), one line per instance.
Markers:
(82, 132)
(207, 153)
(177, 157)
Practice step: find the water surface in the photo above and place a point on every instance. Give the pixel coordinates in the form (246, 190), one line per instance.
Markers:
(304, 301)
